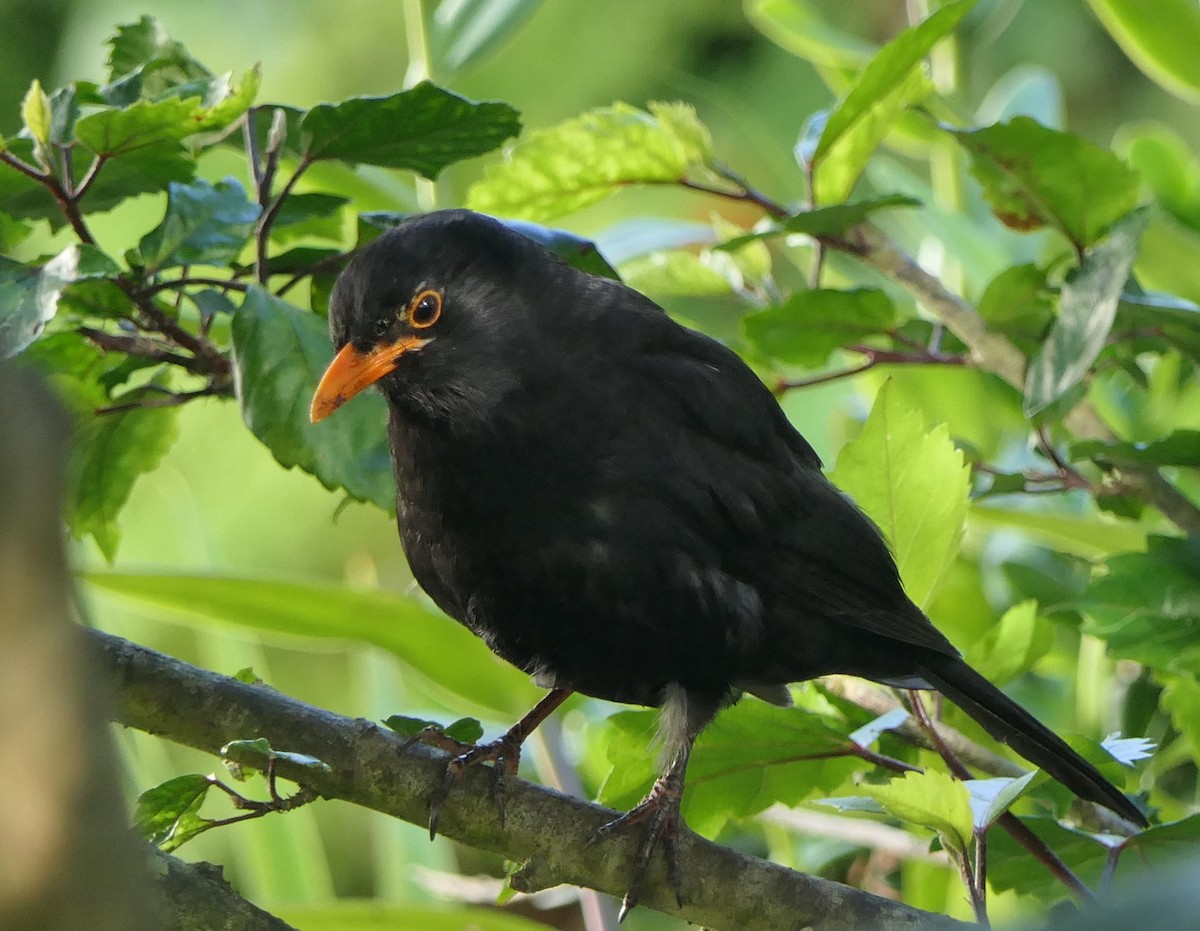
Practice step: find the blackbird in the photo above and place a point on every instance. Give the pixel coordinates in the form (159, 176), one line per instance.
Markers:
(616, 504)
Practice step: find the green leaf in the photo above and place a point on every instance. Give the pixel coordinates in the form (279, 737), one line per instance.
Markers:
(1168, 168)
(891, 81)
(1160, 38)
(795, 26)
(812, 324)
(443, 651)
(1018, 304)
(1091, 537)
(1147, 608)
(866, 735)
(1013, 645)
(912, 481)
(464, 31)
(825, 221)
(1087, 306)
(677, 273)
(258, 754)
(310, 214)
(1181, 700)
(205, 224)
(932, 799)
(30, 296)
(145, 124)
(1181, 448)
(583, 160)
(990, 798)
(112, 452)
(168, 814)
(1037, 177)
(36, 113)
(136, 45)
(464, 730)
(280, 353)
(423, 129)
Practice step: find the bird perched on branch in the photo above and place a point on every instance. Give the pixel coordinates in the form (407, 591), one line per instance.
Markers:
(616, 504)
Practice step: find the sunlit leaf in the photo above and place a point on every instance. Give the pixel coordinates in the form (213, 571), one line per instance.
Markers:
(812, 324)
(1081, 536)
(912, 481)
(990, 798)
(168, 814)
(1160, 38)
(932, 799)
(583, 160)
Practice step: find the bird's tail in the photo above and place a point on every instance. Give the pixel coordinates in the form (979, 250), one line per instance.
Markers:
(1009, 723)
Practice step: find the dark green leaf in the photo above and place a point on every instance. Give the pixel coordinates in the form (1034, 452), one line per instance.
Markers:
(1181, 448)
(407, 726)
(423, 129)
(812, 324)
(1036, 177)
(205, 224)
(466, 30)
(825, 221)
(1087, 306)
(418, 635)
(1018, 304)
(280, 353)
(311, 214)
(890, 81)
(168, 814)
(464, 730)
(145, 124)
(576, 251)
(1147, 608)
(303, 259)
(1156, 310)
(112, 452)
(29, 295)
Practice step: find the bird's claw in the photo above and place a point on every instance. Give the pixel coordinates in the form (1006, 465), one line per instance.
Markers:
(660, 811)
(504, 754)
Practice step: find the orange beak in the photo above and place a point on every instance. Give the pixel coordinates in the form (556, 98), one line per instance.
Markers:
(353, 370)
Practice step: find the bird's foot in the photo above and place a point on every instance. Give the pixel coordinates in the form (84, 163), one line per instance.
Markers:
(660, 811)
(504, 754)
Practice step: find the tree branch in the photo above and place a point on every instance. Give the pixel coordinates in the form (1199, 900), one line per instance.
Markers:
(547, 831)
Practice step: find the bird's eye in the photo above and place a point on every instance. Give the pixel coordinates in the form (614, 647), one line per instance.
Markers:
(382, 325)
(425, 310)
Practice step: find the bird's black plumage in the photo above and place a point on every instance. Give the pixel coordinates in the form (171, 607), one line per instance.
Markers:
(618, 505)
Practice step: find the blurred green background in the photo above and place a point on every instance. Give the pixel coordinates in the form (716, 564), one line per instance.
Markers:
(220, 502)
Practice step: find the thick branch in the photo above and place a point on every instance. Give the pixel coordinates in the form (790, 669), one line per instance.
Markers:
(196, 895)
(549, 832)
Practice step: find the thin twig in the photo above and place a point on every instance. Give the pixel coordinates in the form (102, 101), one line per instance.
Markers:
(175, 399)
(262, 230)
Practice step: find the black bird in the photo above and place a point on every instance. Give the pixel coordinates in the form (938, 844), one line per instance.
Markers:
(616, 504)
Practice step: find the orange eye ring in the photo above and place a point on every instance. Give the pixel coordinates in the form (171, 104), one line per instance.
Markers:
(425, 309)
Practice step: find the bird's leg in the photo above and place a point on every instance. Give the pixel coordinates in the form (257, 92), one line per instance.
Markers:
(660, 809)
(504, 754)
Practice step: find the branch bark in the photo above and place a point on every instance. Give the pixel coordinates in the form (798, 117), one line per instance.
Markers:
(545, 830)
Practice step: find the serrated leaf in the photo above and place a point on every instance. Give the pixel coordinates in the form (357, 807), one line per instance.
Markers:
(225, 101)
(1087, 306)
(932, 799)
(912, 481)
(990, 798)
(167, 815)
(280, 353)
(891, 81)
(583, 160)
(112, 452)
(1147, 607)
(1161, 39)
(145, 124)
(135, 44)
(464, 31)
(1036, 177)
(812, 324)
(423, 129)
(36, 113)
(204, 224)
(443, 651)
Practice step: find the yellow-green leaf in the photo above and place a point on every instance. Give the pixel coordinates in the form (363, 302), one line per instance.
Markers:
(1161, 37)
(36, 113)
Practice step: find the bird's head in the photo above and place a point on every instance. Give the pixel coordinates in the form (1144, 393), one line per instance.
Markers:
(437, 313)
